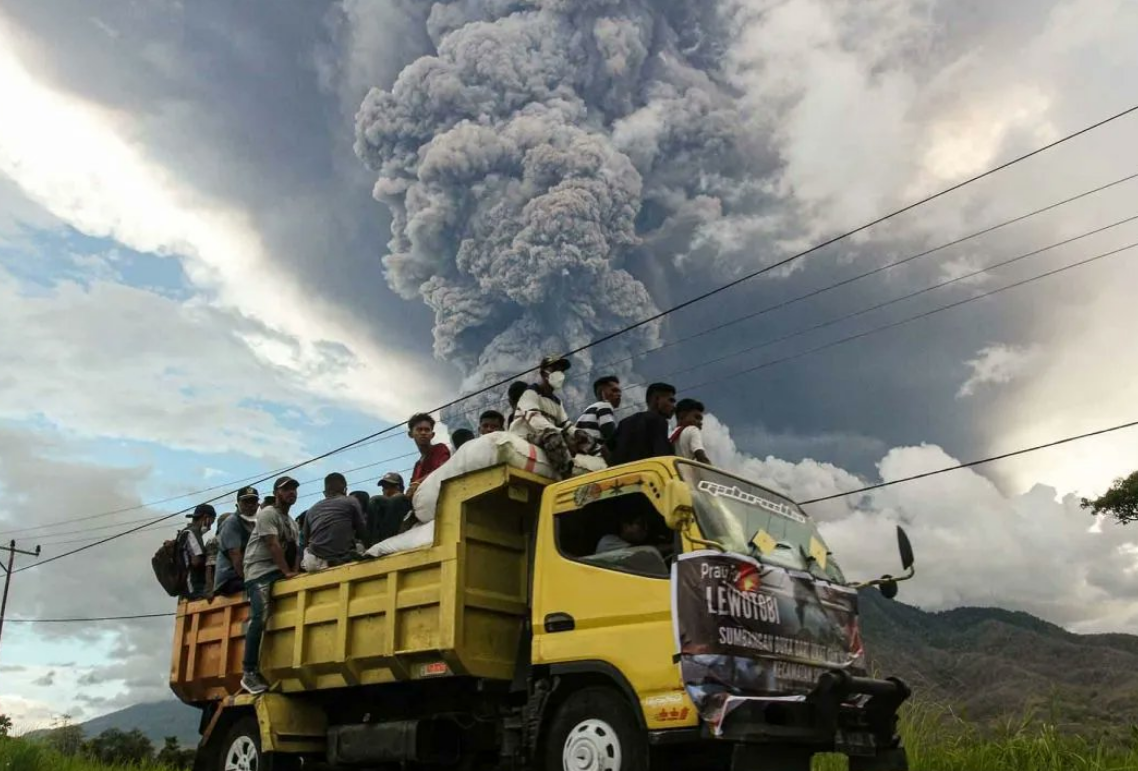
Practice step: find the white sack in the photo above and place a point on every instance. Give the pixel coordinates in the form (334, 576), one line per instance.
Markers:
(420, 535)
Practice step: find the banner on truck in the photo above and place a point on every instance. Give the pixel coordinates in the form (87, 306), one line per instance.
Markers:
(750, 631)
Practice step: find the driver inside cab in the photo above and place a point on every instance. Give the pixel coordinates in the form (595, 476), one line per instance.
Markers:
(632, 531)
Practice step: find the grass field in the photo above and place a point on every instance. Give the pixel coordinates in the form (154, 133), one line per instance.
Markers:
(22, 755)
(936, 742)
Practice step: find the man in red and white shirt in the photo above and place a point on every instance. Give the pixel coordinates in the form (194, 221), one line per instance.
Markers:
(687, 439)
(421, 428)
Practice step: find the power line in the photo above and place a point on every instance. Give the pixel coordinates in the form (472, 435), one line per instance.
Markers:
(786, 261)
(113, 525)
(852, 279)
(907, 320)
(972, 463)
(85, 620)
(123, 510)
(884, 304)
(655, 317)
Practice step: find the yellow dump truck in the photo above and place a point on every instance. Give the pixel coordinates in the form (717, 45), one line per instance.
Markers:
(511, 642)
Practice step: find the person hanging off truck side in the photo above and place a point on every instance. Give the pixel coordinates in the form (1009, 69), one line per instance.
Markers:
(270, 556)
(193, 551)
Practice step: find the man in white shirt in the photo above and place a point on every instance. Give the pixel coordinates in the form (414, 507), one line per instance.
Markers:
(687, 439)
(540, 417)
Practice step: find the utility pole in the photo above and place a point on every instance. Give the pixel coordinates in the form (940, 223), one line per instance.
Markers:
(12, 552)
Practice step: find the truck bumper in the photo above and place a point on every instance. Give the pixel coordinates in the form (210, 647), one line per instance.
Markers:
(855, 716)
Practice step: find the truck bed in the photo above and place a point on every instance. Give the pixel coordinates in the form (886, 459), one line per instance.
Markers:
(454, 608)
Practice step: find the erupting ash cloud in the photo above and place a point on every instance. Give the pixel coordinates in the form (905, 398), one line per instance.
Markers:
(544, 151)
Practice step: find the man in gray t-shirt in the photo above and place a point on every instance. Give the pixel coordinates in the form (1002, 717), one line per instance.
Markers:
(332, 526)
(270, 556)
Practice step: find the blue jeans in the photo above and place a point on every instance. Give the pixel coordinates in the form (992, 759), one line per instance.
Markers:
(258, 591)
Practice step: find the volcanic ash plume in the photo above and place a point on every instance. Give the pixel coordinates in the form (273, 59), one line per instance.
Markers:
(533, 157)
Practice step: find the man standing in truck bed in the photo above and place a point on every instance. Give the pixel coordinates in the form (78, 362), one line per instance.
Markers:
(270, 556)
(645, 434)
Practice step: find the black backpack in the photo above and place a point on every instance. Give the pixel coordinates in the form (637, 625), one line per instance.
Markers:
(170, 567)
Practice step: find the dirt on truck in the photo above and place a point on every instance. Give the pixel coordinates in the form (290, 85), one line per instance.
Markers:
(728, 640)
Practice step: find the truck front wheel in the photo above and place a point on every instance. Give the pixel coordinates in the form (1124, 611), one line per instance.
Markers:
(594, 729)
(241, 750)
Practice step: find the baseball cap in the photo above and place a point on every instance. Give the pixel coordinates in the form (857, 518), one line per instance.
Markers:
(391, 478)
(553, 363)
(285, 481)
(203, 510)
(248, 492)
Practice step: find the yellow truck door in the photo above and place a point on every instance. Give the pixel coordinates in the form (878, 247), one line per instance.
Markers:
(609, 611)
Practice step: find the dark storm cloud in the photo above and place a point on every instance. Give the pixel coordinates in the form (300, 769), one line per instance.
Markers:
(242, 103)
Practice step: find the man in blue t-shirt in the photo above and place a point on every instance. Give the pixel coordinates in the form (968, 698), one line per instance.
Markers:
(232, 538)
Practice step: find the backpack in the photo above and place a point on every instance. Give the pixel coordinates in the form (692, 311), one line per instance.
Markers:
(170, 567)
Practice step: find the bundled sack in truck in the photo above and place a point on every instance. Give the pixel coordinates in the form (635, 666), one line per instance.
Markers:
(484, 452)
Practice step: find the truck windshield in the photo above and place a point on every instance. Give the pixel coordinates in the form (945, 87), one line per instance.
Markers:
(748, 519)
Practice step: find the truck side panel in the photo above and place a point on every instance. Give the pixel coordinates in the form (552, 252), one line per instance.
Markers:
(454, 608)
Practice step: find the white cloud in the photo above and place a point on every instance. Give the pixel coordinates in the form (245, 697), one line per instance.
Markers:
(79, 162)
(116, 361)
(27, 714)
(974, 544)
(997, 365)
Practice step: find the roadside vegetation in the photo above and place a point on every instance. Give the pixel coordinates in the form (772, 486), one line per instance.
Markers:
(937, 741)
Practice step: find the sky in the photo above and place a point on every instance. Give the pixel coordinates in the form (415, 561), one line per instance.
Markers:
(233, 236)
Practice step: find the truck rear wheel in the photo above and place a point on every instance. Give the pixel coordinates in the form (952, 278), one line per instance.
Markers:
(241, 750)
(595, 730)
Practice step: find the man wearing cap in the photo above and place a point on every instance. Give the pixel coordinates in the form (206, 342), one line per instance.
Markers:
(193, 550)
(541, 418)
(270, 555)
(386, 513)
(232, 537)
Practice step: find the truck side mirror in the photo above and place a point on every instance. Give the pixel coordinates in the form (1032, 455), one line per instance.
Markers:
(905, 548)
(678, 509)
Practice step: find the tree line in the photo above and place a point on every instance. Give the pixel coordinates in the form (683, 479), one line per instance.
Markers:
(112, 746)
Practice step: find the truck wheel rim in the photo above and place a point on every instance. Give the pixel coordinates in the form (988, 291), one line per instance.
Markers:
(591, 746)
(242, 755)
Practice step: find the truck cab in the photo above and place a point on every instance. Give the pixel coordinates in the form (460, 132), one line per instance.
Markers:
(512, 641)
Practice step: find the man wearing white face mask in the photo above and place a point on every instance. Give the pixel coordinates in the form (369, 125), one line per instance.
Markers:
(541, 418)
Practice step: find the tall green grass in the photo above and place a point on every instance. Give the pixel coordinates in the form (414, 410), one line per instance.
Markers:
(22, 755)
(938, 741)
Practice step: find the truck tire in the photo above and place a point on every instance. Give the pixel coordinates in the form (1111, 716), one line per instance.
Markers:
(241, 750)
(595, 729)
